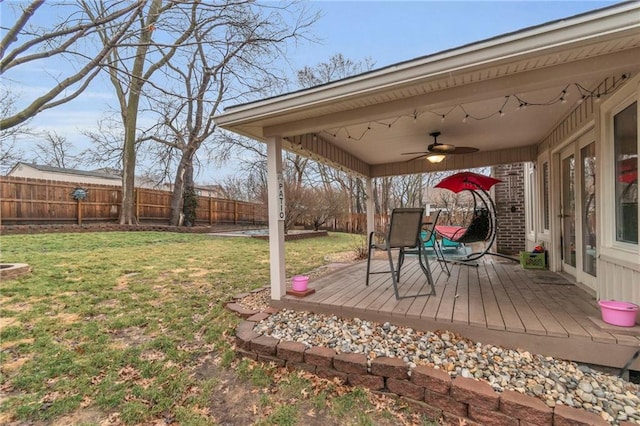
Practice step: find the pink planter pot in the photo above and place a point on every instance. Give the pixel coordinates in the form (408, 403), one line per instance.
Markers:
(300, 282)
(618, 313)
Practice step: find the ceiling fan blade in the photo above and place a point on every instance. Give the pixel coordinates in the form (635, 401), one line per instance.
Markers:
(414, 153)
(441, 148)
(423, 155)
(464, 150)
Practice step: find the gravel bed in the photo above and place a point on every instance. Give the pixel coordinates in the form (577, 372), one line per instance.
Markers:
(553, 381)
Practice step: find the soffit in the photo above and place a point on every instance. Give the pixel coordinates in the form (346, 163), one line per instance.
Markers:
(437, 81)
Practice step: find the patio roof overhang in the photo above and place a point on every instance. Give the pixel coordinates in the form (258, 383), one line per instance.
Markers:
(364, 123)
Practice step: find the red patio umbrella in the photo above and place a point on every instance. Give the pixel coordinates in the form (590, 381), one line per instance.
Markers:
(628, 170)
(467, 180)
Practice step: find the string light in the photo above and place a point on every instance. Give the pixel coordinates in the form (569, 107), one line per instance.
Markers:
(562, 97)
(583, 93)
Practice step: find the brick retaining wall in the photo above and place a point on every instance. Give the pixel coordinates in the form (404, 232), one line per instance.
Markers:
(9, 271)
(427, 390)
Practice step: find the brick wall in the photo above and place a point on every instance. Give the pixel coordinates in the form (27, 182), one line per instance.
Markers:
(509, 199)
(427, 390)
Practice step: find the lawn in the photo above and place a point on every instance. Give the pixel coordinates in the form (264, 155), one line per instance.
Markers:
(130, 328)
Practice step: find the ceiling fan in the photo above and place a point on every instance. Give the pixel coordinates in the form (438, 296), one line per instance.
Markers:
(436, 152)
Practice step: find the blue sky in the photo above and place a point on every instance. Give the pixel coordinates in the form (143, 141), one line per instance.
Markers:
(395, 31)
(386, 31)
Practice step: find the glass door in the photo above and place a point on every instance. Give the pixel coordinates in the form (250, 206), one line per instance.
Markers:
(588, 208)
(578, 232)
(568, 210)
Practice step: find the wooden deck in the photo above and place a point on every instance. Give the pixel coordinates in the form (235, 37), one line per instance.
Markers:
(496, 303)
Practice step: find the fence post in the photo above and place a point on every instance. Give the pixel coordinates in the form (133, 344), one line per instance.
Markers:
(79, 211)
(210, 210)
(235, 212)
(137, 198)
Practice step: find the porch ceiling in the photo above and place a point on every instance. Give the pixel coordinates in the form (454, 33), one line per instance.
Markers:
(366, 122)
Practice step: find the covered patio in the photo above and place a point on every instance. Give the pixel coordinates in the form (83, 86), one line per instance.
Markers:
(546, 96)
(498, 302)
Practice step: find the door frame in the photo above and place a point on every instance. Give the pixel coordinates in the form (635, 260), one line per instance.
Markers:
(573, 146)
(567, 152)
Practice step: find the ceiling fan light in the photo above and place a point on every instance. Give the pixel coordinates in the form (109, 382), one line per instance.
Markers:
(435, 158)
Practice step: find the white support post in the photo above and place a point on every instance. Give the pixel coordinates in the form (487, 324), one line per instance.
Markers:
(276, 217)
(371, 209)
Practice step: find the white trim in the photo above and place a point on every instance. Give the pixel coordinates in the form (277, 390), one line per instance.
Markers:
(276, 226)
(530, 194)
(608, 245)
(544, 233)
(582, 142)
(568, 150)
(371, 210)
(555, 190)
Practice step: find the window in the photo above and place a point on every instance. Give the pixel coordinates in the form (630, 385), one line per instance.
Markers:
(545, 197)
(625, 139)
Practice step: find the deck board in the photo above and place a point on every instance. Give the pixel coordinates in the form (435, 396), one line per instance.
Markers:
(496, 302)
(489, 301)
(461, 298)
(477, 315)
(447, 300)
(512, 321)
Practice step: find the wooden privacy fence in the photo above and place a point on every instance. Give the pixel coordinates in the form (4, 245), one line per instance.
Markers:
(26, 200)
(356, 223)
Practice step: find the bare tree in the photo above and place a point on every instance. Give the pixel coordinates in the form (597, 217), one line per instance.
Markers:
(327, 203)
(26, 43)
(10, 152)
(56, 151)
(311, 188)
(129, 71)
(407, 190)
(217, 52)
(106, 145)
(236, 188)
(336, 68)
(217, 68)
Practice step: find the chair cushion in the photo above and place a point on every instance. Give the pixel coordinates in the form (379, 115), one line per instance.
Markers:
(450, 232)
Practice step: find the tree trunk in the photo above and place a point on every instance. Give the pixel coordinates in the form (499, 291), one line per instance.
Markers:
(184, 179)
(131, 117)
(128, 175)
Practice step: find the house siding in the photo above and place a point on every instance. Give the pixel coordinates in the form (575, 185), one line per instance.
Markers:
(617, 279)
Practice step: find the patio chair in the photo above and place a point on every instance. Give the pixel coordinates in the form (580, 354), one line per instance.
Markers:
(430, 239)
(403, 235)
